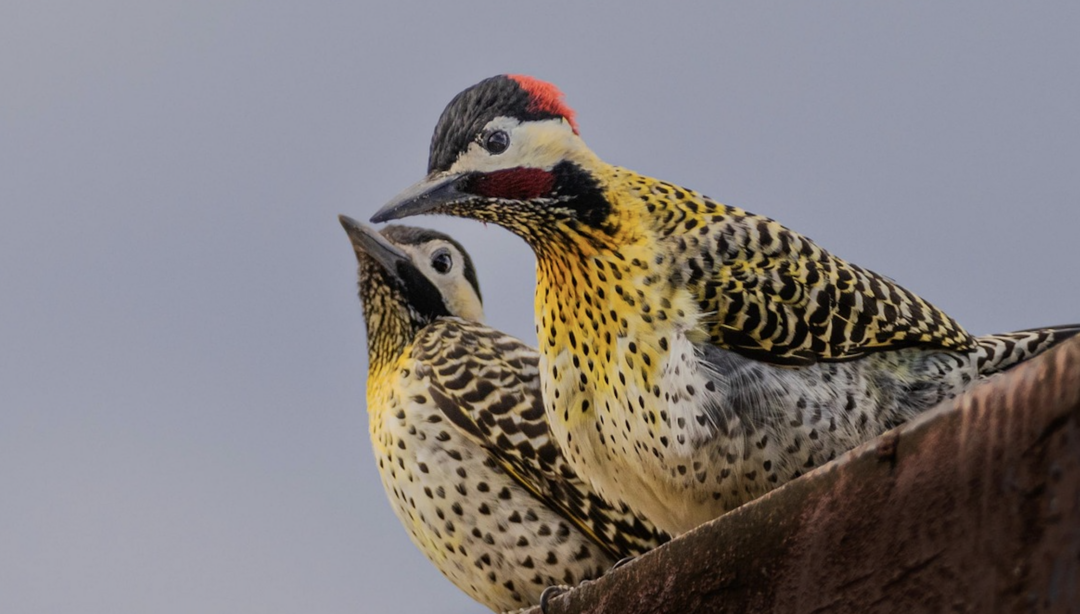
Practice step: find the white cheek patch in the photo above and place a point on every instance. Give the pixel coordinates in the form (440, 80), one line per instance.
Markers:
(472, 160)
(535, 144)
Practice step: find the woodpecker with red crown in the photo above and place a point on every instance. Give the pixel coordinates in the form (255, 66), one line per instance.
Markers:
(693, 355)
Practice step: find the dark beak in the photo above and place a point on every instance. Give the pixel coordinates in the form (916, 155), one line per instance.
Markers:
(426, 196)
(366, 240)
(418, 291)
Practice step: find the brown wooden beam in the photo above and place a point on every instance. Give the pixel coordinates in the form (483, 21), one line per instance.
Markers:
(973, 507)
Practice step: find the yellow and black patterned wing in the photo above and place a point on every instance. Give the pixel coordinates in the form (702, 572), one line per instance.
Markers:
(774, 295)
(487, 384)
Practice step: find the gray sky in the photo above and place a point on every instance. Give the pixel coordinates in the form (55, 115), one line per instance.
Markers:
(182, 366)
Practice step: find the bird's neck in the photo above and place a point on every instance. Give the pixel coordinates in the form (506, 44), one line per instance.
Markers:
(599, 287)
(389, 338)
(390, 331)
(606, 308)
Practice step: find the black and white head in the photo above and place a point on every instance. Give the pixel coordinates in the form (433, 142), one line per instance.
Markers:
(507, 150)
(415, 271)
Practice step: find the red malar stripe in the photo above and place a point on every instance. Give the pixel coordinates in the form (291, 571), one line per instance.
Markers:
(513, 183)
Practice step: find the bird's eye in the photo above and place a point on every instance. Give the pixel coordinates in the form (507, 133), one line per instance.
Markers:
(442, 261)
(497, 142)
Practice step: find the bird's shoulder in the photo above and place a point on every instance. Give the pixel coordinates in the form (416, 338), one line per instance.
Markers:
(771, 293)
(486, 383)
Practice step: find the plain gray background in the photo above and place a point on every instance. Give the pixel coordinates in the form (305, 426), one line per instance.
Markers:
(182, 360)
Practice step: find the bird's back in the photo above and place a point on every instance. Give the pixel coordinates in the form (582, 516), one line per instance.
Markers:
(773, 294)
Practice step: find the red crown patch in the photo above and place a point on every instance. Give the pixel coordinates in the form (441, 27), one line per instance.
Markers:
(546, 98)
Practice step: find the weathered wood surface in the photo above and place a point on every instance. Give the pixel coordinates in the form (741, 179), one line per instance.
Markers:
(974, 507)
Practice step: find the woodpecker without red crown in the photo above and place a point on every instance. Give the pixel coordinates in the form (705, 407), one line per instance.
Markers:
(460, 435)
(694, 355)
